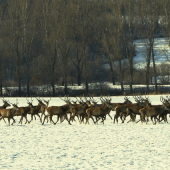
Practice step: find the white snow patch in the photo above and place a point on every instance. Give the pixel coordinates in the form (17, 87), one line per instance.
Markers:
(79, 146)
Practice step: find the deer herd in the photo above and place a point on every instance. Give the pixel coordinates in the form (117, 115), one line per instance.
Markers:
(86, 108)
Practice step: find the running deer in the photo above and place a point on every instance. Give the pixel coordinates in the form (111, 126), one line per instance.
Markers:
(153, 111)
(9, 113)
(60, 111)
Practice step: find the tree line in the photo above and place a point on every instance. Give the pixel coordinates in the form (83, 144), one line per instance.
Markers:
(61, 42)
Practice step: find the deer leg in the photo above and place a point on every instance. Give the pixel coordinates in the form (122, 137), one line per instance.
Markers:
(93, 119)
(166, 120)
(1, 118)
(87, 119)
(44, 119)
(152, 120)
(34, 117)
(103, 119)
(48, 119)
(131, 118)
(42, 114)
(26, 120)
(122, 117)
(53, 121)
(31, 117)
(20, 121)
(9, 121)
(117, 115)
(13, 120)
(82, 118)
(4, 120)
(72, 117)
(139, 119)
(62, 118)
(39, 118)
(110, 116)
(67, 119)
(114, 119)
(142, 117)
(57, 118)
(97, 119)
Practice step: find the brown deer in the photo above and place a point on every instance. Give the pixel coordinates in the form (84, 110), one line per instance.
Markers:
(23, 111)
(4, 106)
(60, 111)
(153, 112)
(79, 110)
(133, 110)
(121, 110)
(99, 111)
(114, 105)
(40, 108)
(9, 113)
(43, 108)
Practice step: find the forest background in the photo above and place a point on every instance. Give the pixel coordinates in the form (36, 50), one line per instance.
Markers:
(54, 43)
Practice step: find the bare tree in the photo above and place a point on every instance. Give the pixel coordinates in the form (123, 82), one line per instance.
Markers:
(16, 39)
(131, 28)
(51, 26)
(2, 47)
(28, 33)
(149, 13)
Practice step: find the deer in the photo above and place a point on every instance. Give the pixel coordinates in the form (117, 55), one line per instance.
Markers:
(133, 110)
(9, 113)
(121, 110)
(153, 111)
(60, 111)
(163, 116)
(5, 105)
(114, 105)
(23, 111)
(38, 109)
(43, 108)
(98, 112)
(79, 110)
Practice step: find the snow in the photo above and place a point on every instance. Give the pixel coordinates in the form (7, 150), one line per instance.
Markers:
(85, 146)
(161, 51)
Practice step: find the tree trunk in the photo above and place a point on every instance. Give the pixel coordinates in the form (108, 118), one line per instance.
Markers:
(52, 81)
(1, 79)
(65, 85)
(53, 87)
(28, 87)
(147, 80)
(62, 83)
(154, 70)
(79, 78)
(148, 70)
(19, 83)
(112, 73)
(87, 86)
(131, 76)
(1, 86)
(121, 76)
(19, 87)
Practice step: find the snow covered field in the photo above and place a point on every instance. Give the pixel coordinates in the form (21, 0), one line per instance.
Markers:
(78, 146)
